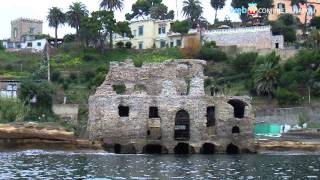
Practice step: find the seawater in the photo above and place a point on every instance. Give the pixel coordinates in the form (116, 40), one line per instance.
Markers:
(37, 164)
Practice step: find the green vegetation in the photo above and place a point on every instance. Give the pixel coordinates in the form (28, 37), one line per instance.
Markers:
(181, 27)
(217, 4)
(313, 125)
(286, 25)
(71, 59)
(212, 54)
(290, 82)
(18, 65)
(119, 89)
(139, 87)
(12, 110)
(155, 8)
(286, 97)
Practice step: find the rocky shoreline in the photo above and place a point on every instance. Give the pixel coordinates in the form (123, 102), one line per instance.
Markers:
(36, 136)
(27, 136)
(267, 146)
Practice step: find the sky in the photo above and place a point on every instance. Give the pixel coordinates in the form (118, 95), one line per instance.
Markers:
(38, 9)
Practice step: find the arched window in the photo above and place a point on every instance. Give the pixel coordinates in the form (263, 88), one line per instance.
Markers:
(152, 149)
(182, 126)
(238, 107)
(232, 149)
(296, 9)
(183, 148)
(235, 129)
(311, 10)
(208, 148)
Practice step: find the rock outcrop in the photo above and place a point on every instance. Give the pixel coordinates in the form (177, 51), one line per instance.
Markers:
(38, 136)
(264, 146)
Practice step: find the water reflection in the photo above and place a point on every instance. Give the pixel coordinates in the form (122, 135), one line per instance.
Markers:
(62, 165)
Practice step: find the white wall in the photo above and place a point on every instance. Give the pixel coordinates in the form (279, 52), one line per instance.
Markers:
(35, 46)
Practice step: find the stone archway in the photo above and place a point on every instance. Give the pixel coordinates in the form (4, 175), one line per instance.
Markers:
(232, 149)
(208, 148)
(117, 148)
(152, 149)
(183, 148)
(182, 126)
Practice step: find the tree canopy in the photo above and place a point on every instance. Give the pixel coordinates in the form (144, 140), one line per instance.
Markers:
(192, 9)
(56, 17)
(153, 8)
(181, 27)
(111, 5)
(77, 11)
(216, 5)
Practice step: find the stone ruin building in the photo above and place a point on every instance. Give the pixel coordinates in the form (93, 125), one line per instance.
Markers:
(163, 108)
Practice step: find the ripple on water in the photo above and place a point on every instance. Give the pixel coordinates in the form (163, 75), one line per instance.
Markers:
(92, 165)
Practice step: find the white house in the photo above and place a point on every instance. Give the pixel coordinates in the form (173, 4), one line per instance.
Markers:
(151, 33)
(35, 46)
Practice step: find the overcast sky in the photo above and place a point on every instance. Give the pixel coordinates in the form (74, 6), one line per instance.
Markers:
(38, 9)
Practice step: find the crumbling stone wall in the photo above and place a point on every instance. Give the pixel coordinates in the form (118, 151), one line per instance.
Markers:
(171, 86)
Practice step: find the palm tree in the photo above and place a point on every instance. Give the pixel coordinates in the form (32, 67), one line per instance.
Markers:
(265, 78)
(55, 18)
(77, 11)
(111, 5)
(193, 10)
(217, 4)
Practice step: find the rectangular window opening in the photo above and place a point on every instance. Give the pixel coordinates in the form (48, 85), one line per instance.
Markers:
(140, 45)
(153, 112)
(140, 30)
(211, 119)
(178, 43)
(123, 111)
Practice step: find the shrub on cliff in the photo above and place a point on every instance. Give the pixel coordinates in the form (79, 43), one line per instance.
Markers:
(98, 79)
(243, 62)
(119, 89)
(287, 97)
(73, 77)
(212, 54)
(55, 76)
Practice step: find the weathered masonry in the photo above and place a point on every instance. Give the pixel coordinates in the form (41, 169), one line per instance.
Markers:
(163, 108)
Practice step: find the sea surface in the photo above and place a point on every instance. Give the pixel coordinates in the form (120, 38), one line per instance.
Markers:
(37, 164)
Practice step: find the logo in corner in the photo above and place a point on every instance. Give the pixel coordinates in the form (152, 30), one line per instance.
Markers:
(252, 8)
